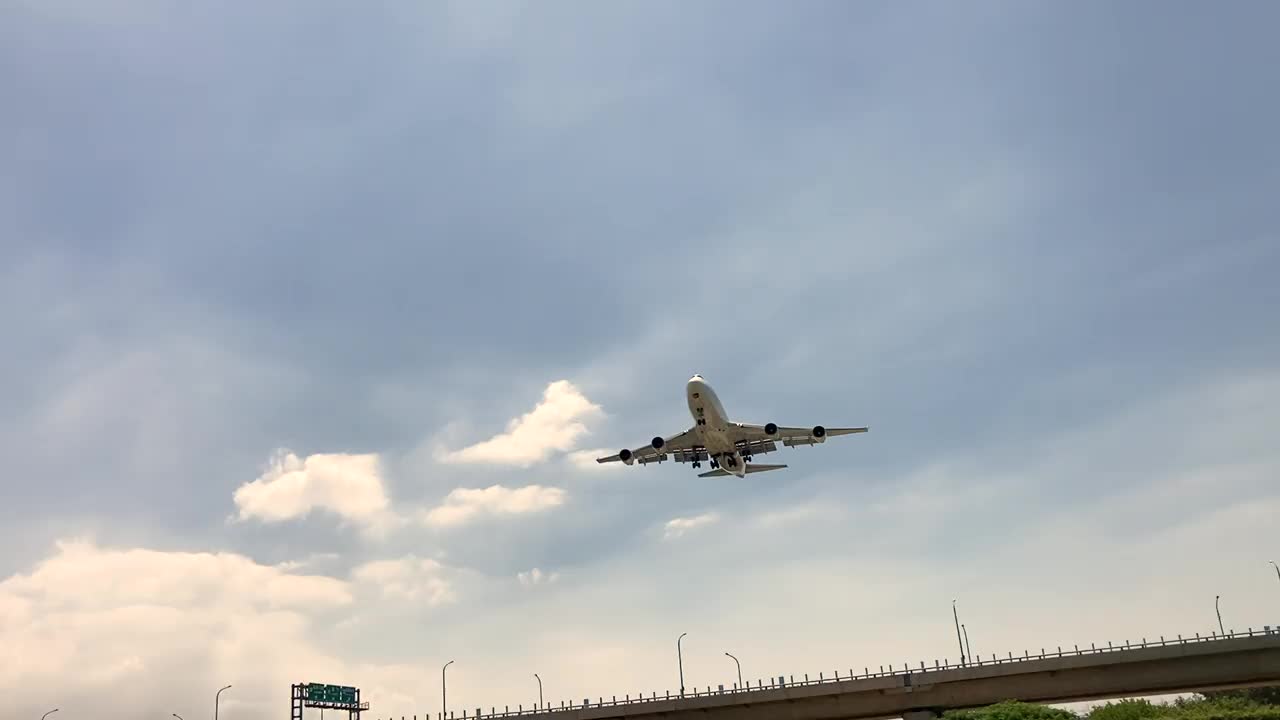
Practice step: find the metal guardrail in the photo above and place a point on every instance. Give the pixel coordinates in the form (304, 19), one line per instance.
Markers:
(775, 683)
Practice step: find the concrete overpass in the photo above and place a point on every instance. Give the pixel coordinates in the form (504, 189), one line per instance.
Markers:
(1058, 676)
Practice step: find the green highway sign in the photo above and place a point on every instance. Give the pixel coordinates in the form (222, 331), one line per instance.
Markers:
(331, 694)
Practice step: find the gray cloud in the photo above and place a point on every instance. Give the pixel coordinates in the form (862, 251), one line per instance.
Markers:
(1042, 274)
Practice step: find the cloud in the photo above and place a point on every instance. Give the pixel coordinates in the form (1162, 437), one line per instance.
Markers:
(554, 425)
(586, 459)
(536, 577)
(410, 578)
(153, 629)
(679, 526)
(464, 505)
(350, 486)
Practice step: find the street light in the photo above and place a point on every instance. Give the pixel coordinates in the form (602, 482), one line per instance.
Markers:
(967, 649)
(215, 702)
(42, 717)
(735, 660)
(680, 658)
(957, 619)
(539, 691)
(176, 715)
(444, 693)
(1277, 567)
(1216, 598)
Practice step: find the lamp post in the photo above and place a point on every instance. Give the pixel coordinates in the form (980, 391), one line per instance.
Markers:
(680, 659)
(176, 715)
(42, 717)
(1277, 567)
(215, 702)
(539, 691)
(1216, 598)
(735, 660)
(958, 640)
(968, 650)
(444, 693)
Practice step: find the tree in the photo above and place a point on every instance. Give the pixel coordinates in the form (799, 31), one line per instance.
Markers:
(1011, 710)
(1262, 695)
(1129, 709)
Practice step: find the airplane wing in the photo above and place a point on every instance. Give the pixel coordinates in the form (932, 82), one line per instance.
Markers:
(684, 446)
(759, 439)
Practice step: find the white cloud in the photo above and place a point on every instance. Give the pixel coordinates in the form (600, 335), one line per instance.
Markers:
(677, 527)
(350, 486)
(464, 505)
(586, 459)
(153, 629)
(536, 577)
(554, 425)
(420, 580)
(795, 515)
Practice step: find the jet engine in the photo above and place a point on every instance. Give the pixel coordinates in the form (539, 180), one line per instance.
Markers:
(658, 442)
(819, 432)
(625, 456)
(770, 429)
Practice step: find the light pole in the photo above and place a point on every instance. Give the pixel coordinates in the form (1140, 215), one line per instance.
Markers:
(42, 717)
(444, 693)
(967, 649)
(1277, 567)
(539, 691)
(215, 702)
(177, 716)
(680, 659)
(957, 619)
(1216, 598)
(735, 660)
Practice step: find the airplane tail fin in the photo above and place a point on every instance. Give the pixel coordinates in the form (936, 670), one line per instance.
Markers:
(721, 472)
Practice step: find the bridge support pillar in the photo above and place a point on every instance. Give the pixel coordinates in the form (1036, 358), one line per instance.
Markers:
(920, 715)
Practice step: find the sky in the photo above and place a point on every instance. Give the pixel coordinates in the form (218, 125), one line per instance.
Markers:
(315, 316)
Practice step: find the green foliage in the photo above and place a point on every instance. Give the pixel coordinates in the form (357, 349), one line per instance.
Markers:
(1250, 704)
(1219, 707)
(1224, 708)
(1129, 710)
(1261, 695)
(1012, 710)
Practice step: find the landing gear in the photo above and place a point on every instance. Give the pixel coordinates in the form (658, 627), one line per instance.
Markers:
(696, 464)
(714, 464)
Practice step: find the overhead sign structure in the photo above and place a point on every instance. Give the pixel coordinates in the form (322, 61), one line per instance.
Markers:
(328, 697)
(319, 695)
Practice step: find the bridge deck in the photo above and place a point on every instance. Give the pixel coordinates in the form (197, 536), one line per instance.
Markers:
(1147, 668)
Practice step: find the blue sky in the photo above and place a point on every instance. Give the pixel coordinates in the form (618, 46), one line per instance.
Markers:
(265, 268)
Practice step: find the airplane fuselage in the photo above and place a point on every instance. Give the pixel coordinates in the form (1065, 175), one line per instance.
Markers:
(712, 425)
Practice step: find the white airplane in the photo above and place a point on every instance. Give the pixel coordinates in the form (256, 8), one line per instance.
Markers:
(728, 445)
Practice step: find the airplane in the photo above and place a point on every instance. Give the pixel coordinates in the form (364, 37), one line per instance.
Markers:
(727, 445)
